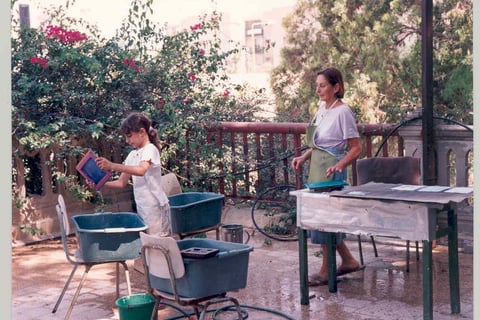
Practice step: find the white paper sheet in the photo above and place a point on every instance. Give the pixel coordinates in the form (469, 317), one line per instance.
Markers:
(433, 189)
(408, 187)
(460, 190)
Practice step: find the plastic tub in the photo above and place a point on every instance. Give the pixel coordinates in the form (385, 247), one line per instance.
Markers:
(135, 307)
(192, 211)
(113, 236)
(226, 271)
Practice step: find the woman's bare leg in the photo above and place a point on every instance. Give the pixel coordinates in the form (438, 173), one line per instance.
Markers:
(348, 260)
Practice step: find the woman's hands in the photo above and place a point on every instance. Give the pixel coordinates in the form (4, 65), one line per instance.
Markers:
(297, 162)
(337, 168)
(354, 151)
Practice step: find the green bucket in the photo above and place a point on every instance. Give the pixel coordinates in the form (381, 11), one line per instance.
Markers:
(135, 306)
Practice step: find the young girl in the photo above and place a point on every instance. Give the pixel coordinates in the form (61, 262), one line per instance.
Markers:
(143, 165)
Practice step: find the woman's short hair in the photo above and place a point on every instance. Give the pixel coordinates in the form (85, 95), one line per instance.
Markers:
(334, 76)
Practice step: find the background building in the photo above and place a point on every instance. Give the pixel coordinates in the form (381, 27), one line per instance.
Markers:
(253, 26)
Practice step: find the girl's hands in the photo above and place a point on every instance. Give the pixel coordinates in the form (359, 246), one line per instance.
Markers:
(90, 184)
(104, 164)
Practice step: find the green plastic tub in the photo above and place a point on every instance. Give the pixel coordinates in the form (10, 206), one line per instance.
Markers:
(192, 211)
(223, 272)
(135, 307)
(109, 236)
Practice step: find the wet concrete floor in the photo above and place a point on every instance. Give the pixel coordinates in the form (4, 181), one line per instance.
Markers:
(383, 290)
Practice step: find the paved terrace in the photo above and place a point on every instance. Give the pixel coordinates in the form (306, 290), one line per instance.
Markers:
(383, 291)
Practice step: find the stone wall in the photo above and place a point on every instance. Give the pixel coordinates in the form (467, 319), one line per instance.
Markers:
(454, 159)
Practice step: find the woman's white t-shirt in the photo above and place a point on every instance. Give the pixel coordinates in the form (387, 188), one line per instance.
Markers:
(335, 127)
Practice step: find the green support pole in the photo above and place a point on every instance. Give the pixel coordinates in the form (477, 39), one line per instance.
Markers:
(332, 263)
(303, 257)
(427, 281)
(453, 261)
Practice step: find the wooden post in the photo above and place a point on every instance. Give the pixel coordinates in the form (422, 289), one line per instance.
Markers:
(24, 10)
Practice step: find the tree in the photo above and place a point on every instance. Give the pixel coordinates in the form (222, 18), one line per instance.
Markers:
(377, 46)
(453, 60)
(69, 83)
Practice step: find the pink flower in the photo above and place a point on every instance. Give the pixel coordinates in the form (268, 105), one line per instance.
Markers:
(226, 93)
(201, 52)
(196, 27)
(130, 63)
(192, 76)
(160, 103)
(65, 36)
(40, 61)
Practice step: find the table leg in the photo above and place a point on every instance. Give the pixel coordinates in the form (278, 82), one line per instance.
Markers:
(303, 262)
(427, 281)
(332, 262)
(453, 273)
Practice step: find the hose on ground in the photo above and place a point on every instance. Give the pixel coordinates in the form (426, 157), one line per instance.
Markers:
(231, 307)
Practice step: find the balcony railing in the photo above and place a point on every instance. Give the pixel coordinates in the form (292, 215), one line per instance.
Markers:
(263, 152)
(259, 156)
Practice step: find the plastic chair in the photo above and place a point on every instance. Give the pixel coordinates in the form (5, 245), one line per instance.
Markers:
(401, 170)
(76, 260)
(162, 259)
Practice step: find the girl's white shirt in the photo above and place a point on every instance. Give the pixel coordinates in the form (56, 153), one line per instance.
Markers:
(150, 197)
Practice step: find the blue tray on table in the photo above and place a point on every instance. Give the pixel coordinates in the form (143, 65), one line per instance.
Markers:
(326, 186)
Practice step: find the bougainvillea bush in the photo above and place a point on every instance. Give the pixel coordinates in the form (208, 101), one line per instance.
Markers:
(69, 82)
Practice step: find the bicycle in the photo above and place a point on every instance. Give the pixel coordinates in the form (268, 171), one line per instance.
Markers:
(274, 213)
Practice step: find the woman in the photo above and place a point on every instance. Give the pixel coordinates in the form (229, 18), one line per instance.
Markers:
(336, 133)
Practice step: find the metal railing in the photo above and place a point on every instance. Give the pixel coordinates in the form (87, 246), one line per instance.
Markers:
(263, 152)
(256, 156)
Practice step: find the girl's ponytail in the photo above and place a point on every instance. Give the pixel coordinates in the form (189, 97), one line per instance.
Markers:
(153, 137)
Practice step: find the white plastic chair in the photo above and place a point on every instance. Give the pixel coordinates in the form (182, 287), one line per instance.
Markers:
(162, 258)
(76, 260)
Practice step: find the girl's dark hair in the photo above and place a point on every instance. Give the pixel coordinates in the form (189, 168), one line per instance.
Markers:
(334, 76)
(135, 121)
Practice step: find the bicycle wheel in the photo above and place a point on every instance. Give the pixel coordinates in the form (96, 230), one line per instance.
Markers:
(274, 213)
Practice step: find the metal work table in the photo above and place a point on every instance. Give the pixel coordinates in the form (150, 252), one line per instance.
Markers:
(402, 211)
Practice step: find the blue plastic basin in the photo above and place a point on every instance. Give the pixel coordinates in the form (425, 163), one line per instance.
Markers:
(113, 236)
(192, 211)
(226, 271)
